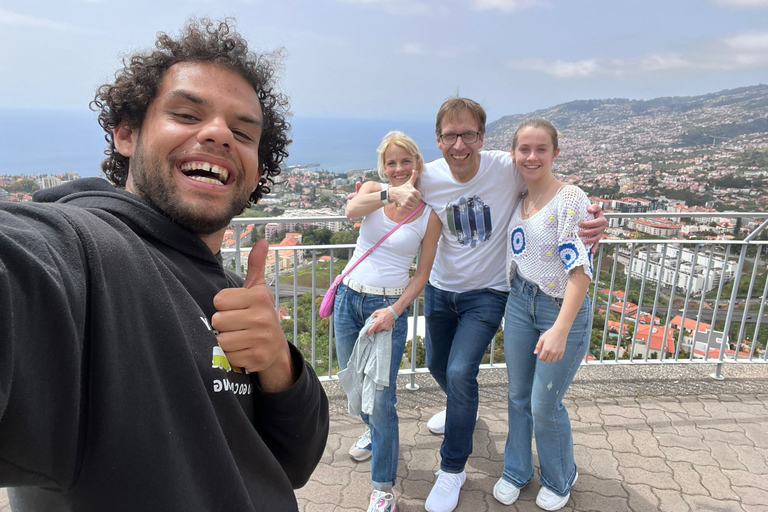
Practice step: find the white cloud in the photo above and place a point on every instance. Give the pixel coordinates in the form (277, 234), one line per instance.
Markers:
(748, 50)
(742, 3)
(22, 20)
(507, 5)
(750, 42)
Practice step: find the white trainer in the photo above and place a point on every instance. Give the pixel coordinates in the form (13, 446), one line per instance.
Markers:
(382, 502)
(436, 423)
(444, 495)
(505, 492)
(361, 450)
(547, 500)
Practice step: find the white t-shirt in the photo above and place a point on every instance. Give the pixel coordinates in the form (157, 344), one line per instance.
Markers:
(388, 265)
(472, 251)
(545, 247)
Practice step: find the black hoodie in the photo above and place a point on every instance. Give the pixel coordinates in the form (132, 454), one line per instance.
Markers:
(113, 392)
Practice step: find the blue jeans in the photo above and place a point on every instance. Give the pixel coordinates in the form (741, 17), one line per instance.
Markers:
(536, 388)
(350, 312)
(459, 328)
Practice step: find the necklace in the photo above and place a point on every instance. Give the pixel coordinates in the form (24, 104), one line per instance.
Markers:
(529, 210)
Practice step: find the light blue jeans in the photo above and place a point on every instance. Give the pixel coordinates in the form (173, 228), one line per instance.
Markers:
(350, 312)
(459, 327)
(536, 388)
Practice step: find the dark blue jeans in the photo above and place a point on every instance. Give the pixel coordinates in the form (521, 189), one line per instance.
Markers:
(459, 328)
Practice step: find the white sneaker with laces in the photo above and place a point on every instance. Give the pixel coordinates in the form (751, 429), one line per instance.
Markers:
(361, 450)
(505, 492)
(444, 495)
(548, 500)
(436, 423)
(382, 502)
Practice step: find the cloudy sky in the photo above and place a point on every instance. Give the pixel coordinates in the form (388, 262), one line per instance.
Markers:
(399, 59)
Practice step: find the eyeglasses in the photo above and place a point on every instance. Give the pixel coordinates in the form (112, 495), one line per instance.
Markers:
(451, 138)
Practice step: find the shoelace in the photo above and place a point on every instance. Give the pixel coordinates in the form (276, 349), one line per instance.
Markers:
(447, 481)
(364, 440)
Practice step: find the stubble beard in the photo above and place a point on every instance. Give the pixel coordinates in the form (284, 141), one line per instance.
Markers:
(153, 181)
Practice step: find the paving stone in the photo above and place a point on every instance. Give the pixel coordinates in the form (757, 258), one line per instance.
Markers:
(621, 441)
(752, 495)
(716, 483)
(756, 432)
(652, 464)
(680, 441)
(586, 500)
(659, 480)
(646, 443)
(727, 431)
(641, 498)
(687, 478)
(753, 459)
(671, 501)
(725, 455)
(602, 486)
(694, 408)
(598, 440)
(696, 457)
(705, 503)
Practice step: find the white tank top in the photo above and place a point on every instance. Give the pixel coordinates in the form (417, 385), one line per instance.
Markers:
(388, 265)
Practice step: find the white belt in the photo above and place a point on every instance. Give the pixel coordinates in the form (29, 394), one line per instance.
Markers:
(372, 290)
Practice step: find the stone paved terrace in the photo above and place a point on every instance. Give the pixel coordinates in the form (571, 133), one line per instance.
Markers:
(647, 438)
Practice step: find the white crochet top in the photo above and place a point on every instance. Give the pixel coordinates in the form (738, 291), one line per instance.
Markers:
(546, 247)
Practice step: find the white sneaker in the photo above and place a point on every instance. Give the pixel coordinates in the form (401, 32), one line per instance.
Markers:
(361, 450)
(382, 502)
(548, 500)
(444, 495)
(436, 423)
(505, 492)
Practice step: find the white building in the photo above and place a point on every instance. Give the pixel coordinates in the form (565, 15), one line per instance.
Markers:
(691, 275)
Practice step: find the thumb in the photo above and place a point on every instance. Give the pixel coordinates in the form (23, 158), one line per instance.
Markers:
(539, 346)
(357, 186)
(256, 261)
(414, 177)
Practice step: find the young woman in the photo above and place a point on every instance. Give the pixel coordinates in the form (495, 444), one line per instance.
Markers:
(547, 319)
(380, 288)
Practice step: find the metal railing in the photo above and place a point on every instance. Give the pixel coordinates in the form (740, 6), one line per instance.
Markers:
(654, 301)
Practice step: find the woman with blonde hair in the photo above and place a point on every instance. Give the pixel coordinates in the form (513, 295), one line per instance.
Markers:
(377, 294)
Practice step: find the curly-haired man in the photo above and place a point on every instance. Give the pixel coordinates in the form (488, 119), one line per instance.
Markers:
(137, 374)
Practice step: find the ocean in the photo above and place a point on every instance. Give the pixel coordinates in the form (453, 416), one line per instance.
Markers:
(56, 141)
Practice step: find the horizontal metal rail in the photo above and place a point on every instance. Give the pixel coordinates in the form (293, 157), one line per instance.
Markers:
(655, 301)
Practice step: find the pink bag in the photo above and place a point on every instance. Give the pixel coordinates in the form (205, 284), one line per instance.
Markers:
(326, 307)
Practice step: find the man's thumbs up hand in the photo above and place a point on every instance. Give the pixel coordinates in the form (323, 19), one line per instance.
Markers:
(249, 330)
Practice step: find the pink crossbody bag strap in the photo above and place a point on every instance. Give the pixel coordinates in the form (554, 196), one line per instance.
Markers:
(369, 251)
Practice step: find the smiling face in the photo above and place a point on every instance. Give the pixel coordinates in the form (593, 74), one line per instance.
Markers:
(534, 153)
(399, 164)
(463, 159)
(195, 155)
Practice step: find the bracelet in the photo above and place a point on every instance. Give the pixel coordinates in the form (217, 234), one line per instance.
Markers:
(392, 310)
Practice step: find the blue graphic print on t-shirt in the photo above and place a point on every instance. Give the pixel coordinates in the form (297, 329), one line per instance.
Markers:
(469, 219)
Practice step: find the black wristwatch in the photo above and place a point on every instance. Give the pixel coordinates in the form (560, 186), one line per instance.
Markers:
(384, 194)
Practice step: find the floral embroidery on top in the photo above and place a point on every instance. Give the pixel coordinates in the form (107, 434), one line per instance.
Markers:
(546, 247)
(518, 241)
(569, 254)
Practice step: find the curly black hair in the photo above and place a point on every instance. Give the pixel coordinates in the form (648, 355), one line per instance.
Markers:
(204, 40)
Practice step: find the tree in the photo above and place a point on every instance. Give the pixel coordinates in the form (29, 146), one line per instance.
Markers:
(344, 237)
(26, 185)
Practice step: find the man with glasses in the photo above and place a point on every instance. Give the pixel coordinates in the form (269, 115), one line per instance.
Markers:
(474, 194)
